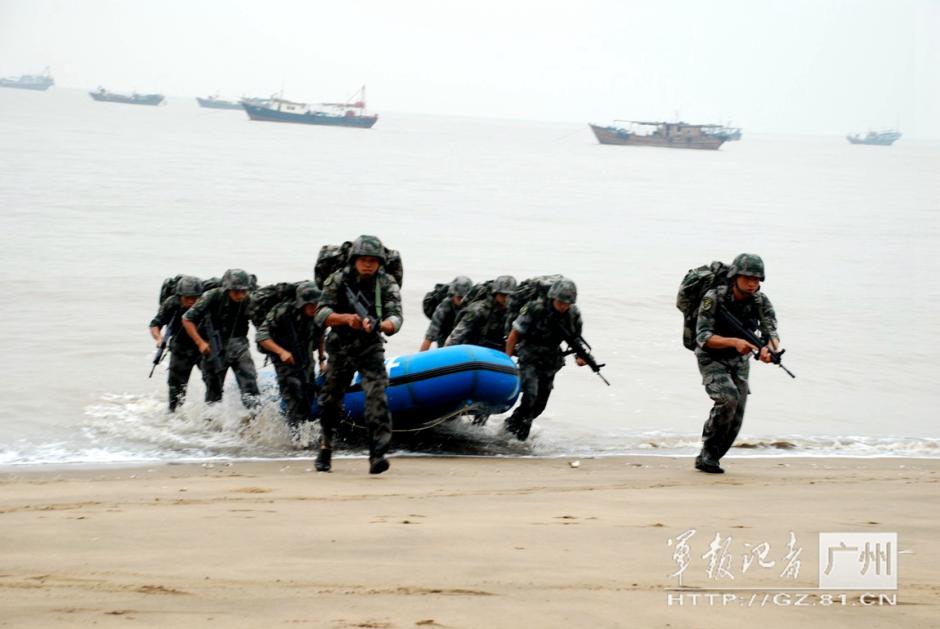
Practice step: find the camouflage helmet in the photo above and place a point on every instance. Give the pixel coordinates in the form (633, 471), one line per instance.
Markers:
(564, 290)
(189, 286)
(307, 293)
(748, 264)
(504, 284)
(367, 246)
(236, 279)
(460, 287)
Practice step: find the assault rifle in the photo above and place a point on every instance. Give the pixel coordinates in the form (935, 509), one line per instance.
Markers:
(214, 359)
(163, 344)
(742, 332)
(361, 305)
(580, 348)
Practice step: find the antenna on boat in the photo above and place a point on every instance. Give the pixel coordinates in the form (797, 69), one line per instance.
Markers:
(357, 98)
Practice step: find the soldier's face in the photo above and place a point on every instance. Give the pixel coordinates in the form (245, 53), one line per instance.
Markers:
(458, 299)
(367, 266)
(502, 299)
(310, 310)
(187, 301)
(747, 284)
(237, 296)
(560, 306)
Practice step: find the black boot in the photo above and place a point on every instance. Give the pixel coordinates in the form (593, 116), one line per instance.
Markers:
(378, 464)
(379, 446)
(704, 463)
(324, 459)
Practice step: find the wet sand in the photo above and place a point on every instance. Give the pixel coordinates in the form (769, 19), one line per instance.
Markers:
(448, 542)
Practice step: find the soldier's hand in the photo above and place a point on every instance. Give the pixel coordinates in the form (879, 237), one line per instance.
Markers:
(765, 356)
(355, 322)
(388, 327)
(743, 347)
(159, 341)
(286, 357)
(204, 348)
(581, 362)
(322, 366)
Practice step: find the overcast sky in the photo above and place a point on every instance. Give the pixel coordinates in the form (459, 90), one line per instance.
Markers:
(793, 66)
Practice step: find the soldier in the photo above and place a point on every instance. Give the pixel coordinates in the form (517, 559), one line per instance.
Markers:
(225, 310)
(354, 345)
(445, 315)
(289, 336)
(723, 358)
(183, 352)
(536, 334)
(483, 322)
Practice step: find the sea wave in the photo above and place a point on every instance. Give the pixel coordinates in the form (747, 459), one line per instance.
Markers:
(133, 429)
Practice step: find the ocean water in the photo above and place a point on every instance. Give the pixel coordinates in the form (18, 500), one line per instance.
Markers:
(99, 202)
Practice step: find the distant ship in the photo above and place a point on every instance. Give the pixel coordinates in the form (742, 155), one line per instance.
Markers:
(349, 114)
(881, 138)
(103, 95)
(675, 135)
(38, 82)
(214, 102)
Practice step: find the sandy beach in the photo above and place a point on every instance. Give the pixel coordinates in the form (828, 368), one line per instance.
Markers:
(455, 542)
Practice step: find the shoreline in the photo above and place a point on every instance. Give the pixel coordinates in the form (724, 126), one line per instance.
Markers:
(9, 468)
(448, 541)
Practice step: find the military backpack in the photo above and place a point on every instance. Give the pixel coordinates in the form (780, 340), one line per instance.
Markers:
(479, 292)
(334, 257)
(695, 284)
(529, 290)
(433, 298)
(168, 287)
(263, 300)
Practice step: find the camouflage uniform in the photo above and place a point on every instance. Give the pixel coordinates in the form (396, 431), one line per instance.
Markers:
(354, 350)
(287, 326)
(230, 319)
(540, 358)
(183, 352)
(481, 323)
(724, 371)
(442, 321)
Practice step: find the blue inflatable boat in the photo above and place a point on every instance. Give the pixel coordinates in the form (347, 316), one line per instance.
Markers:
(429, 387)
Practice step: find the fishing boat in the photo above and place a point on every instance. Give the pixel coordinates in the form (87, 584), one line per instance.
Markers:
(214, 102)
(103, 95)
(348, 114)
(427, 388)
(879, 138)
(674, 135)
(37, 82)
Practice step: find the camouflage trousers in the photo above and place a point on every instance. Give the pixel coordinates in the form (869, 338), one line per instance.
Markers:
(237, 357)
(297, 392)
(726, 384)
(342, 364)
(536, 381)
(182, 362)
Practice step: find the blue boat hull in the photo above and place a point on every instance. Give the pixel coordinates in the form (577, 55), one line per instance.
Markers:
(429, 387)
(272, 115)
